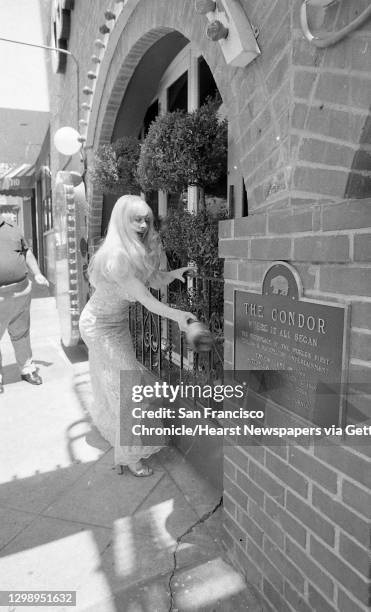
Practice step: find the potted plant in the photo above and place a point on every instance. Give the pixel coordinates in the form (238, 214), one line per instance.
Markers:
(183, 149)
(114, 168)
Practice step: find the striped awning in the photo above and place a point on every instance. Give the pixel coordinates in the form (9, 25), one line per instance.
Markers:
(18, 181)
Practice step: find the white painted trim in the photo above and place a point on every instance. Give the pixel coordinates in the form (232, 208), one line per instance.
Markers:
(178, 66)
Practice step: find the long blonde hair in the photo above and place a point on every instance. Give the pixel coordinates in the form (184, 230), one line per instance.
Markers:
(122, 253)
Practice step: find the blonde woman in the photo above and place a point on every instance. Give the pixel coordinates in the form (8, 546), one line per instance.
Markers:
(126, 264)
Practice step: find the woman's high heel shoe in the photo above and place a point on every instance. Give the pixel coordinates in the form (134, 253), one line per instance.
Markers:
(140, 471)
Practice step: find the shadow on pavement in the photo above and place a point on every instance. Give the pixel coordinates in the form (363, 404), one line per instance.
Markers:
(112, 539)
(69, 522)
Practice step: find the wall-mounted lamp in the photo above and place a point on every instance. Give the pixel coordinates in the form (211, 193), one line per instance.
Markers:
(230, 27)
(216, 30)
(67, 141)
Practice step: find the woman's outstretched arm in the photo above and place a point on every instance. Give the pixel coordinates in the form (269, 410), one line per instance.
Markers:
(138, 290)
(163, 278)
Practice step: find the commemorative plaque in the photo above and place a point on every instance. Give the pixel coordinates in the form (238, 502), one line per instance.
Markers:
(291, 348)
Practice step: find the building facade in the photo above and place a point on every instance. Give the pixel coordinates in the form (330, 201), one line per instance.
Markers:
(296, 516)
(24, 112)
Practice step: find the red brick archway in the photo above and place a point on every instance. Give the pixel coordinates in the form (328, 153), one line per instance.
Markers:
(126, 47)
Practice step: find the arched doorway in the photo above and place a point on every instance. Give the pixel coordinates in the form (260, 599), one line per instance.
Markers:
(185, 84)
(143, 58)
(138, 51)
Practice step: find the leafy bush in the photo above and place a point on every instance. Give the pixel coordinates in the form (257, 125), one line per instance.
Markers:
(114, 169)
(188, 236)
(160, 165)
(184, 149)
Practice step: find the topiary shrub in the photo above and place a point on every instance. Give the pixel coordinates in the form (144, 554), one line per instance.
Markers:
(183, 149)
(114, 169)
(193, 237)
(188, 236)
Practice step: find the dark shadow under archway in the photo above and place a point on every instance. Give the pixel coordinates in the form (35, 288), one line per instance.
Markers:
(144, 83)
(139, 94)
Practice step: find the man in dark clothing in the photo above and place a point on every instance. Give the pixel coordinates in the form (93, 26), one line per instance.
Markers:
(16, 260)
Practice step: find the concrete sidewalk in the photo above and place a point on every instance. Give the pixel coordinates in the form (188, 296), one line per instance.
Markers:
(69, 522)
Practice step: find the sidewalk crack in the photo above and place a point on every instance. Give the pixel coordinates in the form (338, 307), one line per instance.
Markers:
(199, 521)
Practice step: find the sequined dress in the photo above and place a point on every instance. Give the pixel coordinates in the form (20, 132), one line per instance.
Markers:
(104, 327)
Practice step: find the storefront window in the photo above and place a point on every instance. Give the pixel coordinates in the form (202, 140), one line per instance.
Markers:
(245, 203)
(151, 114)
(215, 195)
(186, 84)
(206, 83)
(177, 94)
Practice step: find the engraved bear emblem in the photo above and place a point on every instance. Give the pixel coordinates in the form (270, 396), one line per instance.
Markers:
(279, 285)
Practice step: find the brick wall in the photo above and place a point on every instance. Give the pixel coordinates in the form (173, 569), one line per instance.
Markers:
(67, 88)
(303, 113)
(298, 524)
(129, 41)
(297, 518)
